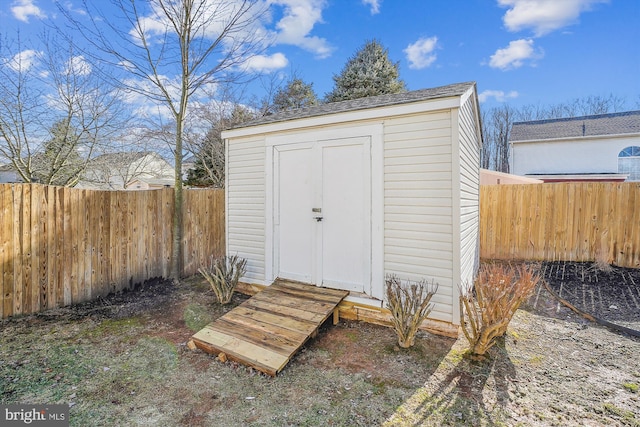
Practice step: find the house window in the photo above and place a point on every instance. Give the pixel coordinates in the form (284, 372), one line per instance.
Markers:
(629, 162)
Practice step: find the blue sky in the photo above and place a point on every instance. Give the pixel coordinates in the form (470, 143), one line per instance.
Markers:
(518, 51)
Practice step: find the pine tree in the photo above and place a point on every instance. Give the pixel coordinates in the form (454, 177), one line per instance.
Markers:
(296, 94)
(208, 170)
(369, 72)
(61, 163)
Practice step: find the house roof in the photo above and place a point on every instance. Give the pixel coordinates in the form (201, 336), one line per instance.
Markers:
(448, 91)
(123, 156)
(577, 127)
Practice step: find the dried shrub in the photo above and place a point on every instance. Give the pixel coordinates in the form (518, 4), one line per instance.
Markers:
(603, 258)
(485, 313)
(409, 306)
(223, 274)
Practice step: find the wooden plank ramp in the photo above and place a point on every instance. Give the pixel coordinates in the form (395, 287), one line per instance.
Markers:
(265, 331)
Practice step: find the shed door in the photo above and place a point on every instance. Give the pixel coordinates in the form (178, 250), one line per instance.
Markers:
(323, 213)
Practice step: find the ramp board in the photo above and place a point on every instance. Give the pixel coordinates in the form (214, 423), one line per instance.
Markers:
(265, 331)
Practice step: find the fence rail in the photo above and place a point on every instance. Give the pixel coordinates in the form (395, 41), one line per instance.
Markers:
(563, 221)
(61, 246)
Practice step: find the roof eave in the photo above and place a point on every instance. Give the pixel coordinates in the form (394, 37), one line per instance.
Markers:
(578, 137)
(371, 113)
(577, 176)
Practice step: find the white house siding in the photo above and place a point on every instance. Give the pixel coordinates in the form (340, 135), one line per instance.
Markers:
(567, 156)
(469, 164)
(245, 192)
(418, 203)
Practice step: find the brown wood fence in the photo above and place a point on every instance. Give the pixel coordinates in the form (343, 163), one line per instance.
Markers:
(563, 221)
(61, 246)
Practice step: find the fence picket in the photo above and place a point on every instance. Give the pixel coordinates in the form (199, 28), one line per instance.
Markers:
(61, 246)
(563, 221)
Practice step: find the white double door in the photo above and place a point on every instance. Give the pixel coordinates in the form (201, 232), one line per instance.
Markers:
(322, 212)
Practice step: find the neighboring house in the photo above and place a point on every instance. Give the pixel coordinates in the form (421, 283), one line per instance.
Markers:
(489, 177)
(128, 171)
(603, 147)
(342, 194)
(8, 174)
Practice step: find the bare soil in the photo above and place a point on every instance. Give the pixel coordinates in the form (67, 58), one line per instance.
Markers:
(123, 361)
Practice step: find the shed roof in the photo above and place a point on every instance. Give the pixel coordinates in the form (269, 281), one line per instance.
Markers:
(627, 122)
(457, 89)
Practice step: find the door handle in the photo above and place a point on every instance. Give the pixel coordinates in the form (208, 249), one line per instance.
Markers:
(317, 218)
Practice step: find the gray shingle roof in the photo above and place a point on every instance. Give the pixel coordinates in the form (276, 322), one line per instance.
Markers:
(603, 124)
(448, 91)
(123, 156)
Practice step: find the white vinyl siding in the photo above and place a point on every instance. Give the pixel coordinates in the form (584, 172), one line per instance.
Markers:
(469, 192)
(246, 204)
(417, 203)
(593, 155)
(424, 192)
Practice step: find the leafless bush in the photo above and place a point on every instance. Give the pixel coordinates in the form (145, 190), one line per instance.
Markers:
(223, 274)
(603, 260)
(409, 306)
(486, 313)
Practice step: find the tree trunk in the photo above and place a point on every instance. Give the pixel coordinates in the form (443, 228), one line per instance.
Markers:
(176, 253)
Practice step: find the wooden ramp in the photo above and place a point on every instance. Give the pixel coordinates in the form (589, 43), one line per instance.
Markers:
(265, 331)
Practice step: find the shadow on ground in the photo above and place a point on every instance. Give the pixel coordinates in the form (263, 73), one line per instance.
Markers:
(468, 393)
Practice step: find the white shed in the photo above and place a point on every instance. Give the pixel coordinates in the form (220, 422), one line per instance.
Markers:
(342, 194)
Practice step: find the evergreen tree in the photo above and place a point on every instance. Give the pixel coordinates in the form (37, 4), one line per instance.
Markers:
(369, 72)
(296, 94)
(61, 163)
(208, 168)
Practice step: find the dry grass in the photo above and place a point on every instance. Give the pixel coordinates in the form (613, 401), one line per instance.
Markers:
(123, 361)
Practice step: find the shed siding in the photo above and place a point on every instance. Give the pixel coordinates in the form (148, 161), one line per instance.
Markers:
(418, 203)
(469, 192)
(246, 204)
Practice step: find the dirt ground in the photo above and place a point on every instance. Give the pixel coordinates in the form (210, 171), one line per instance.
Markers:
(123, 361)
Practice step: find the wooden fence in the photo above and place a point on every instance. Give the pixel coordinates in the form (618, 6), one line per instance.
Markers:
(61, 246)
(563, 221)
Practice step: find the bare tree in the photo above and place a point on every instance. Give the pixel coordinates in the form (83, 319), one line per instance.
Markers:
(486, 151)
(497, 124)
(170, 51)
(54, 112)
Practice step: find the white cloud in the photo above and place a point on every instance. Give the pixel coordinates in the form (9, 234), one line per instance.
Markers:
(514, 55)
(299, 18)
(23, 9)
(421, 53)
(498, 95)
(144, 106)
(544, 16)
(78, 66)
(24, 60)
(374, 4)
(69, 6)
(264, 63)
(147, 101)
(213, 17)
